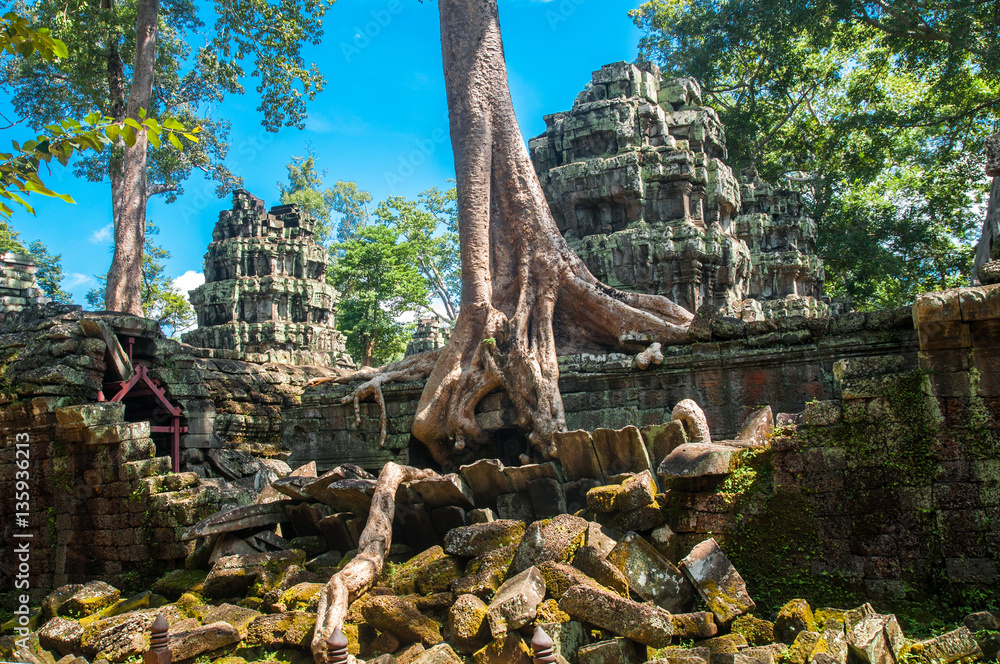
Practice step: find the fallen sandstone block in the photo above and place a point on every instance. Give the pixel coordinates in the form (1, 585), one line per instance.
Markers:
(947, 648)
(516, 602)
(876, 640)
(717, 581)
(650, 575)
(643, 623)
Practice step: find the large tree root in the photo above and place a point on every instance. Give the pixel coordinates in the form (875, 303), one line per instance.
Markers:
(415, 367)
(525, 294)
(363, 570)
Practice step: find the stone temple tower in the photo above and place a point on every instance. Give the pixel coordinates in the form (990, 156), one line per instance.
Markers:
(636, 177)
(265, 294)
(636, 181)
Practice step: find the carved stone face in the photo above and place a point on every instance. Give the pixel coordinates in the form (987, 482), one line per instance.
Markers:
(993, 155)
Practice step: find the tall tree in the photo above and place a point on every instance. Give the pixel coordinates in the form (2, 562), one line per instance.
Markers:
(159, 298)
(165, 76)
(305, 188)
(882, 130)
(378, 280)
(50, 272)
(430, 227)
(525, 294)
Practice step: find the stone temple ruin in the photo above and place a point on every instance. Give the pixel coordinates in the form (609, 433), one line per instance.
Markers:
(265, 294)
(788, 450)
(636, 176)
(19, 290)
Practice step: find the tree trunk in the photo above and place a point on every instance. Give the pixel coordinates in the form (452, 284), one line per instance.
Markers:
(369, 352)
(363, 570)
(129, 202)
(524, 292)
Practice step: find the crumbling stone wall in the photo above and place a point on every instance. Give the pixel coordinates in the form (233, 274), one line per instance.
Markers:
(229, 403)
(730, 368)
(892, 490)
(99, 500)
(18, 288)
(102, 499)
(881, 480)
(102, 504)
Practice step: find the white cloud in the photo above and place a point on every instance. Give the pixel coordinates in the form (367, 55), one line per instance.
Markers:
(74, 279)
(103, 235)
(345, 124)
(188, 281)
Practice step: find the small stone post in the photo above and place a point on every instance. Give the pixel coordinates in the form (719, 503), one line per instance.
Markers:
(541, 647)
(336, 648)
(159, 651)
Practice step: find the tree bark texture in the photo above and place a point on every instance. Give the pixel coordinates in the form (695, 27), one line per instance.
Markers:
(363, 570)
(525, 294)
(123, 291)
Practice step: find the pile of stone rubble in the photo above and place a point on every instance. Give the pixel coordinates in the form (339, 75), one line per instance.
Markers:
(249, 591)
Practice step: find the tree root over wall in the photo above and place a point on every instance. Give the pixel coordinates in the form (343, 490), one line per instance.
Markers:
(363, 570)
(525, 294)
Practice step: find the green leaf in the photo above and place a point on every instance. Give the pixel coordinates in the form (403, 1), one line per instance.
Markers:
(176, 142)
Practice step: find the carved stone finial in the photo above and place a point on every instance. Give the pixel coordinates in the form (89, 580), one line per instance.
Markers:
(541, 647)
(336, 648)
(159, 650)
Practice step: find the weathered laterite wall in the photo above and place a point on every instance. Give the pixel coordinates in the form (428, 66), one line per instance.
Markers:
(892, 491)
(884, 482)
(731, 368)
(103, 502)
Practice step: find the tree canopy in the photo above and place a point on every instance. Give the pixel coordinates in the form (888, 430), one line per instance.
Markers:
(378, 280)
(877, 110)
(305, 189)
(255, 39)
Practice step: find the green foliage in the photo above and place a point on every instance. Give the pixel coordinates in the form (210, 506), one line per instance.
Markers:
(387, 267)
(10, 239)
(379, 282)
(256, 39)
(881, 126)
(351, 204)
(50, 273)
(430, 226)
(161, 300)
(775, 546)
(305, 189)
(64, 137)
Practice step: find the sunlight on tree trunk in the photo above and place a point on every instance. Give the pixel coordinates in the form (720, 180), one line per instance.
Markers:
(125, 276)
(524, 292)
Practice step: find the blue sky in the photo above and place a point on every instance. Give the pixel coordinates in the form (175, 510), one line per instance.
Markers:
(381, 121)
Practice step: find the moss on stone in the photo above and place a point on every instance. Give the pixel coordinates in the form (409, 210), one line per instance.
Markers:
(758, 632)
(180, 582)
(549, 612)
(795, 617)
(438, 576)
(301, 597)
